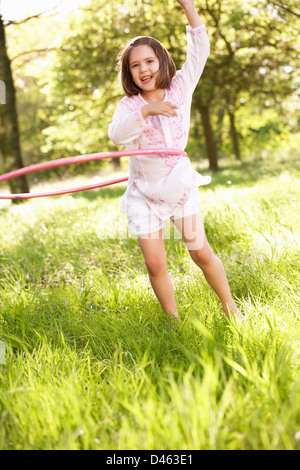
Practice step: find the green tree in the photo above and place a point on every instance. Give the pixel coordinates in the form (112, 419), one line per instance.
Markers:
(251, 66)
(10, 148)
(87, 88)
(253, 54)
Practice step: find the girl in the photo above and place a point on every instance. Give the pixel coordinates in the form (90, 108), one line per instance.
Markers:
(155, 113)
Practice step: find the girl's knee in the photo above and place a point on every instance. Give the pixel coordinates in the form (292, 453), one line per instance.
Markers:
(203, 256)
(155, 264)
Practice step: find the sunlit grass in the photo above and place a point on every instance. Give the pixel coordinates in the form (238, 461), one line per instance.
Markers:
(92, 362)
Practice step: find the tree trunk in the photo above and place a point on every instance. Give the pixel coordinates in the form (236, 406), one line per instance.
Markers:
(209, 138)
(219, 129)
(116, 163)
(10, 150)
(234, 135)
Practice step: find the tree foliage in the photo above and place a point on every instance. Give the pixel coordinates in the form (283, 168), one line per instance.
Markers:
(10, 149)
(239, 105)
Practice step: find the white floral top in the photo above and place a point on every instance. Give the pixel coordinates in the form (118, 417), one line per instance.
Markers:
(165, 181)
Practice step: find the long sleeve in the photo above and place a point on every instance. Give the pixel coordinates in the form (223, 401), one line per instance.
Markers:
(127, 124)
(198, 50)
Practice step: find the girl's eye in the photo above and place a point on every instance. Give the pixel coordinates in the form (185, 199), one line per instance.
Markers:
(148, 62)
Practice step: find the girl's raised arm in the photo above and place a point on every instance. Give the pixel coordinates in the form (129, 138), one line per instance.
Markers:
(191, 13)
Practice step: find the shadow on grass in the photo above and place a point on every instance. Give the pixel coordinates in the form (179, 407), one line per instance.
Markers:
(109, 192)
(250, 171)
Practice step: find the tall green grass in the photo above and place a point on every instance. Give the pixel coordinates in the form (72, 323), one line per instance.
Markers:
(92, 362)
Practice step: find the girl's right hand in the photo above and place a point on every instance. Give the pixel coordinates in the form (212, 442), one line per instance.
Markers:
(163, 108)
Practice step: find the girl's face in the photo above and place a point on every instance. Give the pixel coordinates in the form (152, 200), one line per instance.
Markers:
(144, 67)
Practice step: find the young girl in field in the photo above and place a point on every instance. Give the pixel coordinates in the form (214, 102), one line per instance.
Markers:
(155, 113)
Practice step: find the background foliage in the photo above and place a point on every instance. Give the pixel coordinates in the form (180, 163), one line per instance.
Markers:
(245, 103)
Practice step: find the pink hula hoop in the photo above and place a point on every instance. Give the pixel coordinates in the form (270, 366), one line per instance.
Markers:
(78, 159)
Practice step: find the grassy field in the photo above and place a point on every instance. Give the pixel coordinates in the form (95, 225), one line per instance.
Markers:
(92, 362)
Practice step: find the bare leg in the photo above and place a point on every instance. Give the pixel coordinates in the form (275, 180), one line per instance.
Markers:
(193, 234)
(153, 249)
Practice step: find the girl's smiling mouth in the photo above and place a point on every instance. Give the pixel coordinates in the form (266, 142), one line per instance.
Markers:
(146, 79)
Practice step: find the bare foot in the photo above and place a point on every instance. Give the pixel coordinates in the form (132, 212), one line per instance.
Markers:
(174, 317)
(232, 311)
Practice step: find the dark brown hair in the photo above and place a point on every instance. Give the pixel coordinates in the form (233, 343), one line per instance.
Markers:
(166, 71)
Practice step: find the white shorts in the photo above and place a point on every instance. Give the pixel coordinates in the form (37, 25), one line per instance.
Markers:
(142, 220)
